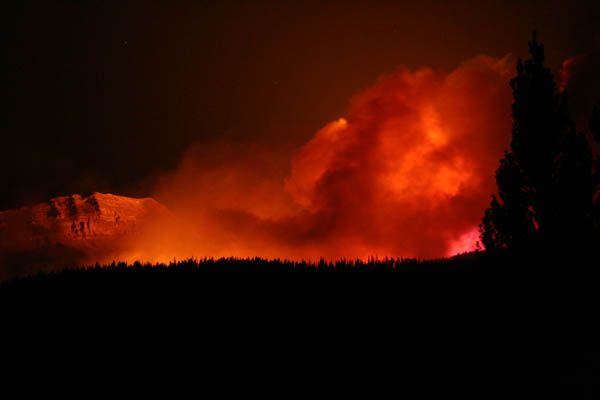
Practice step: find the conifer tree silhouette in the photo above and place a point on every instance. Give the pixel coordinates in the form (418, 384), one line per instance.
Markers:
(545, 185)
(508, 223)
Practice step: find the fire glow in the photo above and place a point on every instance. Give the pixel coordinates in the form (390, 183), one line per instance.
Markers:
(407, 172)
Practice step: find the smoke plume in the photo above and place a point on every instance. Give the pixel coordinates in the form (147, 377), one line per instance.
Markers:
(406, 172)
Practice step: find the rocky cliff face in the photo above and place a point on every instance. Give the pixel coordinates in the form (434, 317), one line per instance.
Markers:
(71, 229)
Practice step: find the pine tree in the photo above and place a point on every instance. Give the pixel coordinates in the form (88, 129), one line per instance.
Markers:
(539, 122)
(574, 192)
(545, 186)
(508, 223)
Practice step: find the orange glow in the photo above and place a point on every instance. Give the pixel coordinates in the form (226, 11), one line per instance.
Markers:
(407, 172)
(464, 243)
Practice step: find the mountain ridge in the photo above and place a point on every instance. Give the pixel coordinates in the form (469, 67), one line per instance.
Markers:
(72, 228)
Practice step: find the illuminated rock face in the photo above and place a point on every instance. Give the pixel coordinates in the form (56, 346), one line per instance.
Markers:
(73, 229)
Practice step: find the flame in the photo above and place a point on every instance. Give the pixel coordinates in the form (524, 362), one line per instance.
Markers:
(407, 171)
(465, 243)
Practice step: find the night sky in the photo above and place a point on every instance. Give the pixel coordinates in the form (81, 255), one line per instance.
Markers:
(106, 95)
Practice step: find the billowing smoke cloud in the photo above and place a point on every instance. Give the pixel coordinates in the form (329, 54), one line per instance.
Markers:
(407, 171)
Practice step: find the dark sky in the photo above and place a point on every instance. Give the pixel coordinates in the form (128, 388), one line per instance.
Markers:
(103, 95)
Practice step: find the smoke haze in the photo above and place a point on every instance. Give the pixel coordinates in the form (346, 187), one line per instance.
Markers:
(406, 172)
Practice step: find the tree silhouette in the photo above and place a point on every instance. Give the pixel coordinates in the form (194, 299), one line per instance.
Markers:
(508, 223)
(572, 223)
(545, 183)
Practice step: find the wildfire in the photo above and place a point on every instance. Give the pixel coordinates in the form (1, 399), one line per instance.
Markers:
(407, 171)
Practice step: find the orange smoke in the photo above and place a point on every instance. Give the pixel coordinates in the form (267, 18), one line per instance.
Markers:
(406, 172)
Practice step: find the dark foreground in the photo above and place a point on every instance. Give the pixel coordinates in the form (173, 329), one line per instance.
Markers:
(472, 326)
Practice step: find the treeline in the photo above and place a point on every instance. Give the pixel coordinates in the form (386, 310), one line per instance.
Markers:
(467, 267)
(477, 323)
